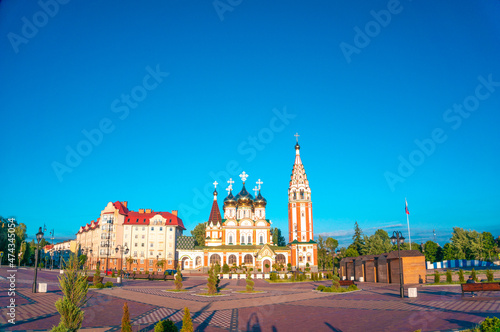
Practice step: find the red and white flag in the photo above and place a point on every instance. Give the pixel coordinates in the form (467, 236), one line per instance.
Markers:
(406, 207)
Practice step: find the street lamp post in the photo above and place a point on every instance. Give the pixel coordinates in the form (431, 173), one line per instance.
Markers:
(398, 238)
(122, 250)
(39, 237)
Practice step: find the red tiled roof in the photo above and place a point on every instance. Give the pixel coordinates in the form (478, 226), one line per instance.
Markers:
(215, 214)
(121, 208)
(136, 218)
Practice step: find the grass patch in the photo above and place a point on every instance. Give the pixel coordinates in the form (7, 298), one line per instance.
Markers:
(176, 290)
(249, 292)
(324, 289)
(287, 281)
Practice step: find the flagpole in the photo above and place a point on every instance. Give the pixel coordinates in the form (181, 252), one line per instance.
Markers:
(408, 221)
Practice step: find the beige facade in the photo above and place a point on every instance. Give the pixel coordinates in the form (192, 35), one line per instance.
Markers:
(122, 239)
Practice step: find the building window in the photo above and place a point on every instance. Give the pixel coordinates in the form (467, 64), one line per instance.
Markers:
(135, 244)
(171, 227)
(135, 255)
(135, 269)
(152, 228)
(161, 229)
(142, 260)
(249, 239)
(230, 239)
(143, 236)
(151, 269)
(261, 239)
(144, 228)
(150, 262)
(308, 258)
(142, 269)
(151, 245)
(142, 245)
(136, 228)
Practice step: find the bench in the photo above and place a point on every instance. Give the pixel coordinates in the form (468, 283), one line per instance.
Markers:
(346, 282)
(90, 279)
(169, 277)
(156, 277)
(140, 276)
(481, 287)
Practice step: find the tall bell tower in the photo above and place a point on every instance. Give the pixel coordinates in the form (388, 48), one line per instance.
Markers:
(300, 221)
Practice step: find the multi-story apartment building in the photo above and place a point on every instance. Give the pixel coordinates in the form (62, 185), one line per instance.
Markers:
(129, 240)
(59, 253)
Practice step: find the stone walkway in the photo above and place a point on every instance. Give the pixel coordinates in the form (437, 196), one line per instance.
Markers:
(283, 307)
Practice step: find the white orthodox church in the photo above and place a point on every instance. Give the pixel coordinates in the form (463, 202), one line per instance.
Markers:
(242, 236)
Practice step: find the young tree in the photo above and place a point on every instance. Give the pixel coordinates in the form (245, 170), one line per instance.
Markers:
(187, 324)
(74, 286)
(97, 275)
(199, 234)
(461, 277)
(178, 279)
(212, 281)
(250, 283)
(126, 326)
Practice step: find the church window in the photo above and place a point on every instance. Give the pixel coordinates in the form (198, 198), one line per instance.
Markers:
(231, 260)
(308, 258)
(294, 195)
(261, 239)
(198, 261)
(302, 194)
(248, 259)
(215, 259)
(230, 239)
(249, 239)
(280, 259)
(242, 239)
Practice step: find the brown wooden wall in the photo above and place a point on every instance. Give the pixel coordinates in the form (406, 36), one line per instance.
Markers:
(358, 269)
(414, 270)
(370, 272)
(382, 268)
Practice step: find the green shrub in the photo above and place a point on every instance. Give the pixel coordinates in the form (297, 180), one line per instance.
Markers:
(473, 274)
(327, 290)
(461, 277)
(320, 287)
(448, 276)
(165, 326)
(490, 325)
(99, 285)
(437, 277)
(352, 288)
(225, 268)
(289, 266)
(286, 276)
(108, 284)
(113, 275)
(489, 275)
(250, 283)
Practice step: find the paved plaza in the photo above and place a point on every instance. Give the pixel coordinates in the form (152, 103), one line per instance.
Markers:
(280, 307)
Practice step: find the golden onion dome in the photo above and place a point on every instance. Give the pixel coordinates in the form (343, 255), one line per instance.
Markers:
(230, 200)
(244, 197)
(260, 201)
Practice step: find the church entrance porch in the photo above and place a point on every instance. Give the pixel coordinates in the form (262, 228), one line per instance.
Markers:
(266, 266)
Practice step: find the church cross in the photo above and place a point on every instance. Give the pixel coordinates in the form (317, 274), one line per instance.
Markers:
(297, 137)
(243, 176)
(259, 183)
(230, 181)
(229, 188)
(215, 184)
(255, 190)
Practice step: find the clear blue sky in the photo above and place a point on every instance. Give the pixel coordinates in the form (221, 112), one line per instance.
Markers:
(359, 100)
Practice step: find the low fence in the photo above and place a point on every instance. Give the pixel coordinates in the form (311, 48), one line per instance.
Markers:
(458, 263)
